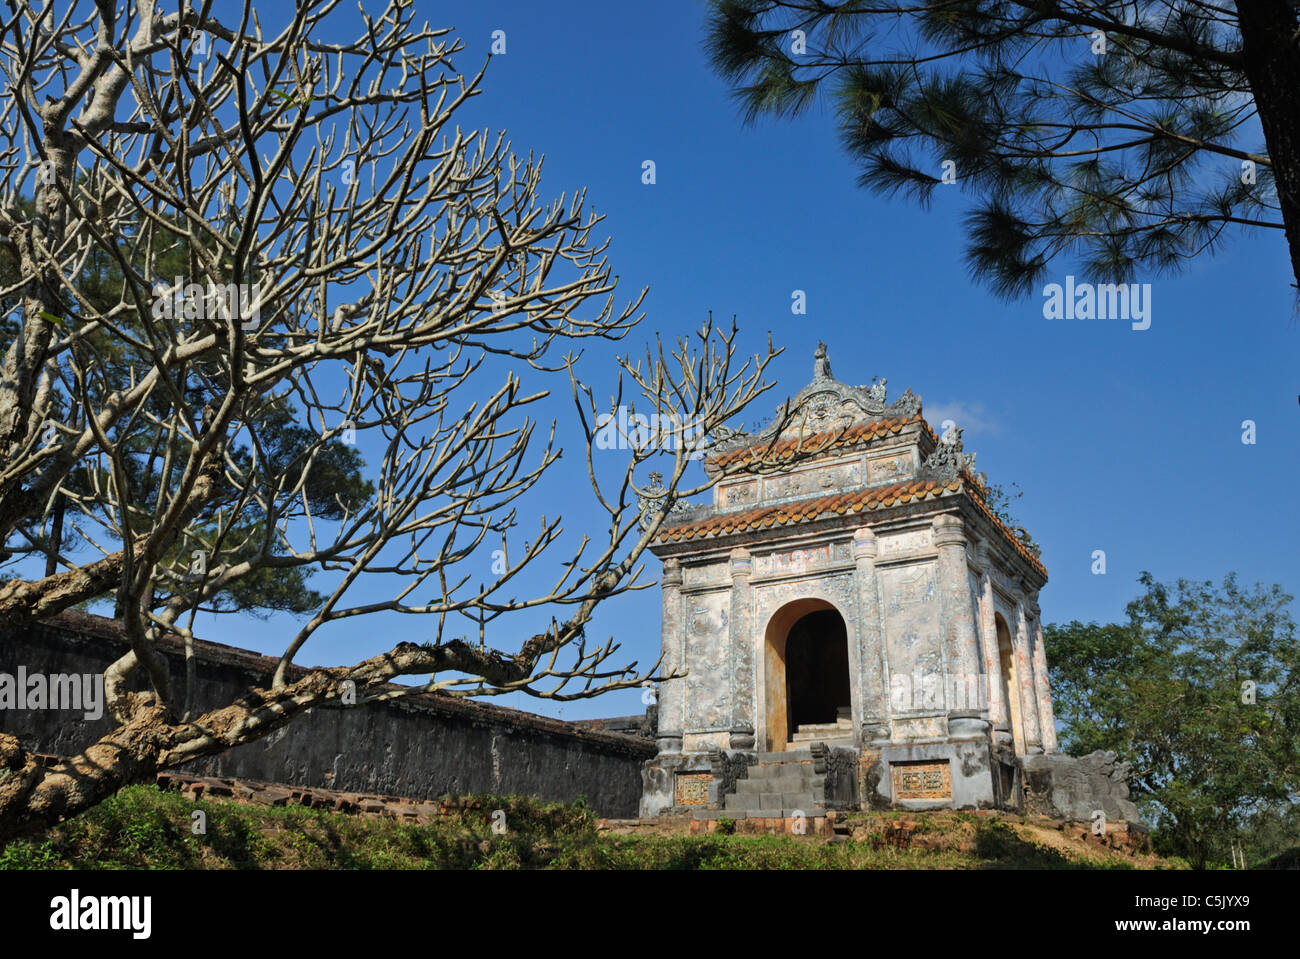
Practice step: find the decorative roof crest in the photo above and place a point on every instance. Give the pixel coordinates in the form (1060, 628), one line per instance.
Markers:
(825, 405)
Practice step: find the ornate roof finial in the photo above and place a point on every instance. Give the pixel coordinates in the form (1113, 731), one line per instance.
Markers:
(948, 461)
(821, 364)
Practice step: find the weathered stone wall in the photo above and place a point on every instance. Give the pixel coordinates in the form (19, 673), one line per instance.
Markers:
(424, 747)
(1068, 787)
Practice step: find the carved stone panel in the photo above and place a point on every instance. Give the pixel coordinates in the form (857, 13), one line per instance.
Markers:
(890, 468)
(738, 494)
(825, 411)
(704, 574)
(802, 558)
(838, 589)
(913, 637)
(708, 687)
(894, 545)
(813, 482)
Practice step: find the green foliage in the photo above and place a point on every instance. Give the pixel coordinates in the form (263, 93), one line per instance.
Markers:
(1166, 692)
(143, 827)
(27, 855)
(1129, 160)
(999, 500)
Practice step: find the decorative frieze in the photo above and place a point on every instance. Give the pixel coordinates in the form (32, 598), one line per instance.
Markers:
(801, 559)
(704, 574)
(890, 467)
(738, 494)
(822, 480)
(909, 543)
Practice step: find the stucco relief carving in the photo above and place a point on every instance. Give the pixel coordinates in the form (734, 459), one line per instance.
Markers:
(913, 637)
(891, 468)
(703, 574)
(904, 544)
(828, 410)
(738, 494)
(707, 684)
(802, 558)
(839, 590)
(827, 479)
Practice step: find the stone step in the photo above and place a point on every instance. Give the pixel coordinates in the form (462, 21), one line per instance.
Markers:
(758, 792)
(830, 738)
(804, 801)
(777, 784)
(835, 727)
(770, 770)
(785, 756)
(809, 814)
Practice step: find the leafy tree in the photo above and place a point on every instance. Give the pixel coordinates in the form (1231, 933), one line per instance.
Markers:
(1200, 692)
(1129, 135)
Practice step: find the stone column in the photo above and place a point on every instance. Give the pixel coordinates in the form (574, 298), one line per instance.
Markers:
(672, 694)
(742, 653)
(873, 688)
(1046, 715)
(999, 708)
(1028, 691)
(961, 645)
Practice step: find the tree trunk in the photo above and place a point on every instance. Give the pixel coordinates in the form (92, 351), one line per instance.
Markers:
(1270, 34)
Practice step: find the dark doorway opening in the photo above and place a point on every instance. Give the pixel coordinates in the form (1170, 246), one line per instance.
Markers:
(817, 670)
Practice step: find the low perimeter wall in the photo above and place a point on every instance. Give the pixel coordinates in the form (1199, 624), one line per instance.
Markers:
(424, 746)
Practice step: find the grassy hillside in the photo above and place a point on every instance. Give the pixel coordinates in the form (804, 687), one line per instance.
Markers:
(144, 827)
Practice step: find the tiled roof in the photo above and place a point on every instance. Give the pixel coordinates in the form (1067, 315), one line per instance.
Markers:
(785, 449)
(764, 517)
(854, 501)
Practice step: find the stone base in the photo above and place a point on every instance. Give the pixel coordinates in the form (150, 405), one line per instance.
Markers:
(956, 774)
(1075, 788)
(952, 775)
(678, 784)
(660, 789)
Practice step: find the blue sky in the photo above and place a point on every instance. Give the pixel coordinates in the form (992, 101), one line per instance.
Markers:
(1121, 440)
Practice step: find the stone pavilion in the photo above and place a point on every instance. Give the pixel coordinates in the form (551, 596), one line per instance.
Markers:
(855, 626)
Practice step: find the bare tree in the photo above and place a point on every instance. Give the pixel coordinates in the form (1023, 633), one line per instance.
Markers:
(351, 257)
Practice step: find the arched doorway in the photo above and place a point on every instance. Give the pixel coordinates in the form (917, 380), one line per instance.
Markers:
(1010, 683)
(808, 692)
